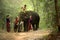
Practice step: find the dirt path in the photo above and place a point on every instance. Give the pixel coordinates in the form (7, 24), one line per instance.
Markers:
(32, 35)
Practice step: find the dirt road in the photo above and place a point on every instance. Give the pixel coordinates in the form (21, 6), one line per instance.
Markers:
(31, 35)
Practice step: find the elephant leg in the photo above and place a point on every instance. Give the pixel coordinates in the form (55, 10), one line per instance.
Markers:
(33, 27)
(37, 26)
(25, 27)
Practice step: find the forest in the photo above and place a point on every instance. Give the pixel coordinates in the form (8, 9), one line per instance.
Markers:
(48, 10)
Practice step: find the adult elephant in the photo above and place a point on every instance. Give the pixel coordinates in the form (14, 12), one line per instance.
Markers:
(26, 16)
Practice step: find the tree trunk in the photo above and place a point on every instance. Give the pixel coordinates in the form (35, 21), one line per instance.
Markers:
(56, 8)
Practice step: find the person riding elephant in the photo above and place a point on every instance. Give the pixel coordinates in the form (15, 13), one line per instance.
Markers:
(24, 8)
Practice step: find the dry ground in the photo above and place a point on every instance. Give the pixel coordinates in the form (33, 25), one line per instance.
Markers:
(31, 35)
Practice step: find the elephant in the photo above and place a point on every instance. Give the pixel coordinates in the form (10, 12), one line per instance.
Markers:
(25, 17)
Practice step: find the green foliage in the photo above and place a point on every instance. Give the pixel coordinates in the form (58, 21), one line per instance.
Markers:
(45, 9)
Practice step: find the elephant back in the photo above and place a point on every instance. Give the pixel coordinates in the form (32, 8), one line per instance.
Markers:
(25, 16)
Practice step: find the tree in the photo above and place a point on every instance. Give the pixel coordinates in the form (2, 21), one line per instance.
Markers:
(56, 8)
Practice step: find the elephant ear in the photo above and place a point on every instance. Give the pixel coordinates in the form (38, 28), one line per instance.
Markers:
(21, 15)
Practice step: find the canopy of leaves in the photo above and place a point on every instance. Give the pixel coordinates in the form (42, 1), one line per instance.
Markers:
(45, 9)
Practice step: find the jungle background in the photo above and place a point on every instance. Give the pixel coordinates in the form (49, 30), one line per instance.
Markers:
(48, 11)
(45, 9)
